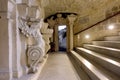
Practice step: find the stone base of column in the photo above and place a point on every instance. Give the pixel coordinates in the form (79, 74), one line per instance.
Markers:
(20, 72)
(34, 76)
(25, 70)
(5, 75)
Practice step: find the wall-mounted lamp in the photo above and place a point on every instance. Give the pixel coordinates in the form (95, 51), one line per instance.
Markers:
(87, 36)
(111, 27)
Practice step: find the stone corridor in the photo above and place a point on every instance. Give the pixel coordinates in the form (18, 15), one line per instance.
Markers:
(58, 67)
(29, 30)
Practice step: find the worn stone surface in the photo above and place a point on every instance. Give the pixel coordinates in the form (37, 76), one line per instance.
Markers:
(58, 67)
(98, 31)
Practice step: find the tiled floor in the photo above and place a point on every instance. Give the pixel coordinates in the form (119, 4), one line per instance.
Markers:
(58, 67)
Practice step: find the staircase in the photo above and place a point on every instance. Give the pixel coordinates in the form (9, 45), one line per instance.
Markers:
(99, 60)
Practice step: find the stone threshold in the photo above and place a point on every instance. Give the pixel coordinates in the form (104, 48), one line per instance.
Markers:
(34, 76)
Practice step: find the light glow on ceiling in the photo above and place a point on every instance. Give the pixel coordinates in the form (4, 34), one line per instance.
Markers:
(111, 27)
(87, 36)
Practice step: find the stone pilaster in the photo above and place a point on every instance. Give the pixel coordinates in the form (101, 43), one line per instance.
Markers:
(7, 39)
(21, 46)
(71, 19)
(56, 41)
(5, 45)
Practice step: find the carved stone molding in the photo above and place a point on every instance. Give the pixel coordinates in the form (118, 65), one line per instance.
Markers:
(51, 22)
(30, 27)
(21, 8)
(47, 33)
(45, 30)
(5, 76)
(35, 53)
(71, 19)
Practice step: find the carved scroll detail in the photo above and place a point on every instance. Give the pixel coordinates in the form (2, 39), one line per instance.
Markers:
(36, 51)
(35, 55)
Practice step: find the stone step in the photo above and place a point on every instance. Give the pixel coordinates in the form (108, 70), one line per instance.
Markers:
(82, 75)
(112, 44)
(112, 38)
(102, 60)
(94, 71)
(104, 50)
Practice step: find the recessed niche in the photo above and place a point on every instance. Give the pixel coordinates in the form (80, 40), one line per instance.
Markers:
(0, 17)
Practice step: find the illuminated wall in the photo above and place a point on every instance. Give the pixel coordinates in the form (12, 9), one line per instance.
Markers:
(99, 31)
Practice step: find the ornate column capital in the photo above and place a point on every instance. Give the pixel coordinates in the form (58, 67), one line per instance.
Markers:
(71, 18)
(21, 8)
(33, 3)
(45, 29)
(51, 22)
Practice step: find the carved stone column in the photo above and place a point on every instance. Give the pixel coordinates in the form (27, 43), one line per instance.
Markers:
(56, 41)
(71, 19)
(5, 47)
(21, 57)
(47, 33)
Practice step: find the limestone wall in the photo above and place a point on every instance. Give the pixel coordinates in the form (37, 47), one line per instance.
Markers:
(98, 31)
(14, 44)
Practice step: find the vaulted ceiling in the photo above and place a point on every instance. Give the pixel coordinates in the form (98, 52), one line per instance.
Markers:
(89, 11)
(81, 7)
